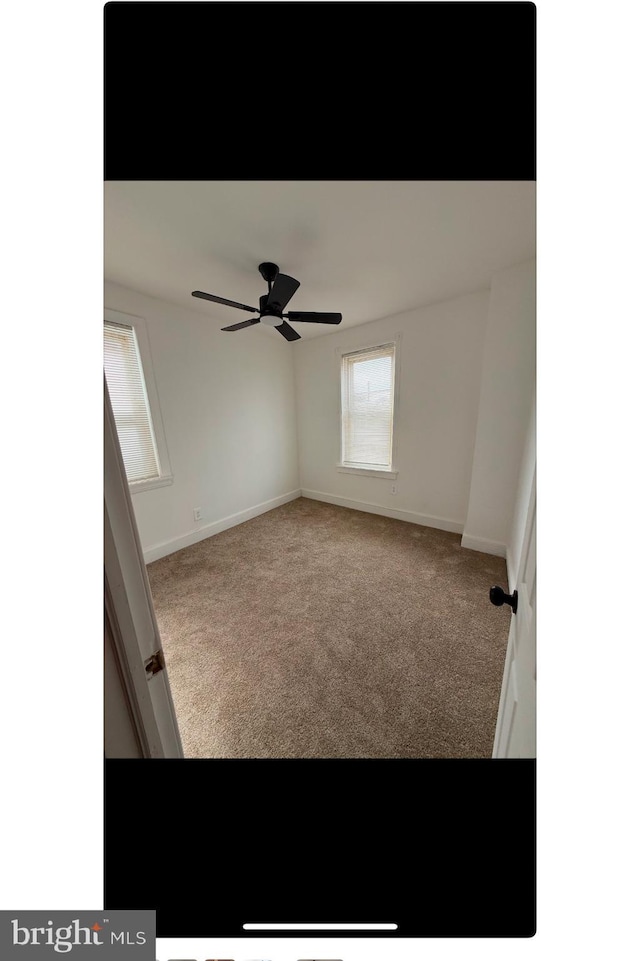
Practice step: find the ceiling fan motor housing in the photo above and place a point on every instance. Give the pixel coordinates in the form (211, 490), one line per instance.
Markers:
(267, 314)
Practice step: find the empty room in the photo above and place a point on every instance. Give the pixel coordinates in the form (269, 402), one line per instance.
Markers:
(321, 481)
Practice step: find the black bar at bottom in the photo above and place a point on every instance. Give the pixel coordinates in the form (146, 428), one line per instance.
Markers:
(464, 828)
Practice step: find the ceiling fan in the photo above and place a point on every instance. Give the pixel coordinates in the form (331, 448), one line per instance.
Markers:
(281, 290)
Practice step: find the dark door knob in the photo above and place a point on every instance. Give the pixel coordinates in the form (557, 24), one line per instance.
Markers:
(498, 597)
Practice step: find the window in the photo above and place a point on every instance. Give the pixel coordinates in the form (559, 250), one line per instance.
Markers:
(141, 440)
(368, 387)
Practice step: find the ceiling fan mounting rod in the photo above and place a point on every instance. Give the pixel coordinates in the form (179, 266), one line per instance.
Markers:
(269, 272)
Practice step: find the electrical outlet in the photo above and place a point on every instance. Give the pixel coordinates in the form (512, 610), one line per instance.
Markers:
(197, 513)
(394, 488)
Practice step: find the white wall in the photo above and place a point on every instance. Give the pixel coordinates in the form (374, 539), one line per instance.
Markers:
(440, 366)
(228, 408)
(508, 378)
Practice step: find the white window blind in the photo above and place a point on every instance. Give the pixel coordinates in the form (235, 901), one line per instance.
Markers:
(367, 407)
(125, 380)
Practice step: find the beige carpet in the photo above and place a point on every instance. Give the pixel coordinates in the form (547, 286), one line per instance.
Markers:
(318, 631)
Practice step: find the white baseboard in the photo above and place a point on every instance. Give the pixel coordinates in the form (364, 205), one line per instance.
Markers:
(484, 545)
(426, 520)
(481, 544)
(186, 540)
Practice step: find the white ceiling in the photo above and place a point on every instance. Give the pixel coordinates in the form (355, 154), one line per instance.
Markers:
(368, 249)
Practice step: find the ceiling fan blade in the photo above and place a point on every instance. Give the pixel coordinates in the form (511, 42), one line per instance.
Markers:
(243, 323)
(313, 317)
(221, 300)
(288, 332)
(282, 291)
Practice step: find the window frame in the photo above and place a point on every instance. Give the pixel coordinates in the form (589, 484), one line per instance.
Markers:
(391, 472)
(139, 326)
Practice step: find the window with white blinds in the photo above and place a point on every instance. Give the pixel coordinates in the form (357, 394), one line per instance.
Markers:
(367, 407)
(130, 404)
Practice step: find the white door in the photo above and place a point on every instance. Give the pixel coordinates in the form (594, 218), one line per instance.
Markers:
(129, 610)
(516, 727)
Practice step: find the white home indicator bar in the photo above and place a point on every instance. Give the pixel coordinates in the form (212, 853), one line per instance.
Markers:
(320, 927)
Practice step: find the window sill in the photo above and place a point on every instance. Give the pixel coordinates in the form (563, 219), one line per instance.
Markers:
(367, 471)
(147, 485)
